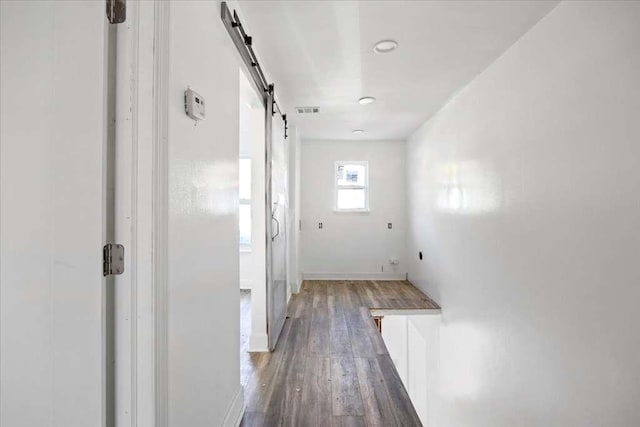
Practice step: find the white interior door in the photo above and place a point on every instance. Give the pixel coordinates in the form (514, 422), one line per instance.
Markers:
(277, 279)
(52, 134)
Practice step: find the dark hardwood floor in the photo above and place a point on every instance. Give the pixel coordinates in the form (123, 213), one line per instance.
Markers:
(331, 367)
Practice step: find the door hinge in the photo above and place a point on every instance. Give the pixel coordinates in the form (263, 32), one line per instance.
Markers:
(116, 11)
(112, 259)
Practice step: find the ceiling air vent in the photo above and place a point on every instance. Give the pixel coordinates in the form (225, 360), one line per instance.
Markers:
(308, 110)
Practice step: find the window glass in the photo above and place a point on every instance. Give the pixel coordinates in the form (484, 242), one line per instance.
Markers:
(351, 198)
(351, 174)
(245, 224)
(245, 179)
(352, 186)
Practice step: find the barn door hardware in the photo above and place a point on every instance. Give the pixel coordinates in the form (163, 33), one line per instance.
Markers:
(244, 45)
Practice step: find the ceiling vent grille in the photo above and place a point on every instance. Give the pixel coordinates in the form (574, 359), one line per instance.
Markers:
(308, 110)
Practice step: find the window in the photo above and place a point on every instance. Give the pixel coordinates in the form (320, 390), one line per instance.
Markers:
(352, 187)
(245, 203)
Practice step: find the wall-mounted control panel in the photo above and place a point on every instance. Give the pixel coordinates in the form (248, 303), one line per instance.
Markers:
(194, 104)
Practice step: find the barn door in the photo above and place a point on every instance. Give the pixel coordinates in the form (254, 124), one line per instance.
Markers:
(277, 206)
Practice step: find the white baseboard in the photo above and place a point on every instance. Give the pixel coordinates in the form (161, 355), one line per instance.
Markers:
(258, 342)
(354, 276)
(296, 285)
(245, 284)
(235, 411)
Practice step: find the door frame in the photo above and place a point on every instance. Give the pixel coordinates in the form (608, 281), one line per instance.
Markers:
(141, 215)
(160, 182)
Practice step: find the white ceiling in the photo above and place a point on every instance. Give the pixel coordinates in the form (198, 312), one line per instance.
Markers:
(320, 53)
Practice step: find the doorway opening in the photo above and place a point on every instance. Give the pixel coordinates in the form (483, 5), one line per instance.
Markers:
(252, 219)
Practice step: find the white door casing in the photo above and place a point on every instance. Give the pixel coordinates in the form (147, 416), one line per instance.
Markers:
(140, 215)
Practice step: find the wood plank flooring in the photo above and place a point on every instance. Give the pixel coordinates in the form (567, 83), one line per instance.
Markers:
(331, 367)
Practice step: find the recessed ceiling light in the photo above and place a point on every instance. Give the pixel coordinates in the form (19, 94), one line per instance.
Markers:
(367, 100)
(358, 131)
(384, 46)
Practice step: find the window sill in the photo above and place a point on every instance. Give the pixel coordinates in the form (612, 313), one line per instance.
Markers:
(245, 249)
(352, 211)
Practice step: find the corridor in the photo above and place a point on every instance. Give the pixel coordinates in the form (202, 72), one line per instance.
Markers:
(306, 213)
(331, 367)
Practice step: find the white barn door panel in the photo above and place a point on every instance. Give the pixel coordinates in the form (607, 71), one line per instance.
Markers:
(278, 241)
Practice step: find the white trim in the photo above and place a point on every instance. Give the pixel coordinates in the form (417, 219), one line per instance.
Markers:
(142, 328)
(107, 403)
(245, 284)
(354, 276)
(161, 79)
(258, 342)
(143, 412)
(126, 220)
(295, 286)
(406, 311)
(352, 211)
(235, 411)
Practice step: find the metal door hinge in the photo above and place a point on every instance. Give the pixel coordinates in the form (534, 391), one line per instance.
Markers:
(112, 259)
(116, 11)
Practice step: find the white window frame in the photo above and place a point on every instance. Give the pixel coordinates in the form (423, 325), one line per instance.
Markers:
(364, 187)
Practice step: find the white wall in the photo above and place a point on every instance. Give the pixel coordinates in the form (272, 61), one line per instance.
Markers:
(204, 372)
(352, 245)
(524, 197)
(52, 134)
(246, 269)
(294, 276)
